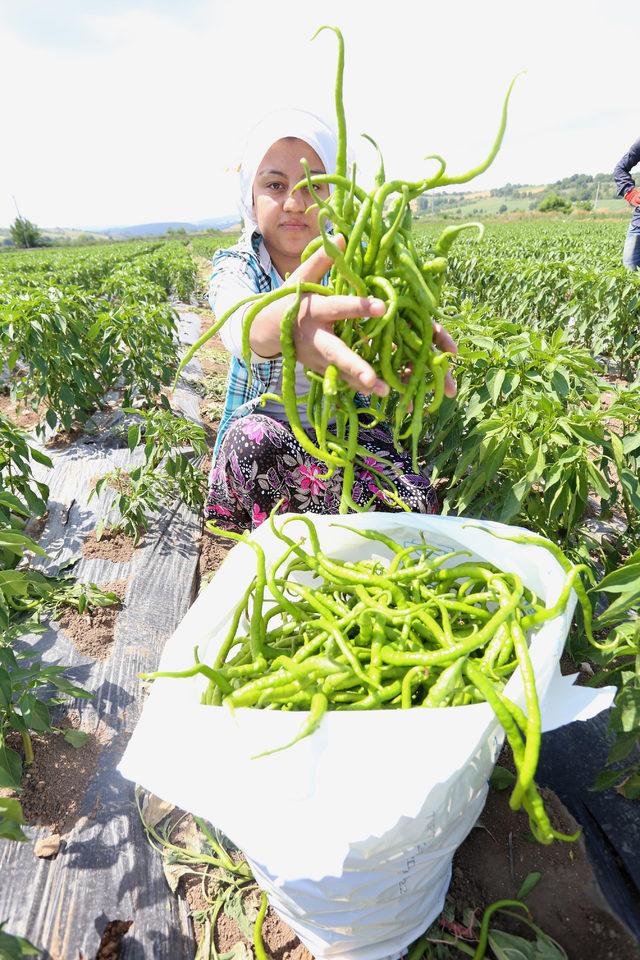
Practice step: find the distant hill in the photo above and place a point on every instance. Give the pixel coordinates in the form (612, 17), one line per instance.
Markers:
(582, 190)
(160, 228)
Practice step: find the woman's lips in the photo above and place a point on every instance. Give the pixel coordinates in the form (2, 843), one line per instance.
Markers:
(293, 226)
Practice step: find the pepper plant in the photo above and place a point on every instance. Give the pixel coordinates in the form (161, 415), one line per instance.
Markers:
(20, 494)
(167, 473)
(29, 689)
(528, 439)
(620, 666)
(72, 329)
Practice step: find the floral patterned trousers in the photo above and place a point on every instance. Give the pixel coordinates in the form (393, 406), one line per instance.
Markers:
(260, 462)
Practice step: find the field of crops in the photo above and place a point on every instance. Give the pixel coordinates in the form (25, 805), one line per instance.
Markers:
(545, 426)
(544, 433)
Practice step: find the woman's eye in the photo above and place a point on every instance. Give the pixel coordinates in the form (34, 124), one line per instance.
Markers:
(274, 186)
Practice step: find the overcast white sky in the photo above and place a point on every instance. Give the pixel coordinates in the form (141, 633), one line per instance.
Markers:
(130, 111)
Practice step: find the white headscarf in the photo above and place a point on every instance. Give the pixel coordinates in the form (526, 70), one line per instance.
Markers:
(276, 126)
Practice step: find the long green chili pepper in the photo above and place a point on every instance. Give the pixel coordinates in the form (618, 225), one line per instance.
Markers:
(412, 677)
(481, 949)
(578, 586)
(341, 156)
(380, 177)
(317, 711)
(258, 945)
(445, 684)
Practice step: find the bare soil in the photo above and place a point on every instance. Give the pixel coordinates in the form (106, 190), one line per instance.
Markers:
(280, 941)
(24, 417)
(210, 425)
(35, 526)
(213, 550)
(64, 437)
(113, 546)
(214, 369)
(213, 349)
(607, 399)
(93, 632)
(566, 903)
(53, 786)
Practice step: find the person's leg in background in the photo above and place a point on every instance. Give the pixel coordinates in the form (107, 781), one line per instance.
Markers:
(631, 252)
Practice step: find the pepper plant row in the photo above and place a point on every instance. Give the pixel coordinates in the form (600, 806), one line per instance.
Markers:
(556, 281)
(72, 325)
(173, 448)
(69, 336)
(29, 688)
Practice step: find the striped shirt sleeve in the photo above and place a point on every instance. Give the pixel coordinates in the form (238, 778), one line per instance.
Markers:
(233, 278)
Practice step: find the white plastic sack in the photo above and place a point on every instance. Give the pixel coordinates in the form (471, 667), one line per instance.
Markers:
(352, 830)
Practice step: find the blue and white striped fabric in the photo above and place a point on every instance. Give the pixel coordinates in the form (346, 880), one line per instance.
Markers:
(242, 263)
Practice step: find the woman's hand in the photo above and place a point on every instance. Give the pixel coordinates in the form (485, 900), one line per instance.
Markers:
(316, 344)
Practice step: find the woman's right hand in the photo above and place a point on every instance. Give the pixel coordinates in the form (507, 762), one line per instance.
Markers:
(316, 344)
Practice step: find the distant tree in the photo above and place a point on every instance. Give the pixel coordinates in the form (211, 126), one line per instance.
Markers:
(25, 234)
(554, 202)
(503, 208)
(85, 238)
(585, 205)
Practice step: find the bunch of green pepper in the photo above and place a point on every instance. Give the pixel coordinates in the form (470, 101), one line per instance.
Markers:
(380, 259)
(418, 630)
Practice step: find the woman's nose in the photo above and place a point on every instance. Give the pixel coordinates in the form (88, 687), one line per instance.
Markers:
(294, 201)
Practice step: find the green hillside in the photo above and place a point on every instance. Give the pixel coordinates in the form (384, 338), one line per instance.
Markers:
(580, 192)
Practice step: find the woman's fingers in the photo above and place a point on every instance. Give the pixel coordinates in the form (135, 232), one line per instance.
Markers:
(314, 269)
(332, 309)
(445, 342)
(443, 339)
(355, 371)
(450, 386)
(317, 346)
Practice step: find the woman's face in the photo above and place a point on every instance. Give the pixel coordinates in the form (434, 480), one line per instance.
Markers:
(280, 214)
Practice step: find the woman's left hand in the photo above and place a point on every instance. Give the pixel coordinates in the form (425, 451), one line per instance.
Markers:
(444, 341)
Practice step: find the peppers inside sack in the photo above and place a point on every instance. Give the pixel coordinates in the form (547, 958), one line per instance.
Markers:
(410, 629)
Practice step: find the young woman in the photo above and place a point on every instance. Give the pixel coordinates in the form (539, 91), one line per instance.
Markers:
(257, 460)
